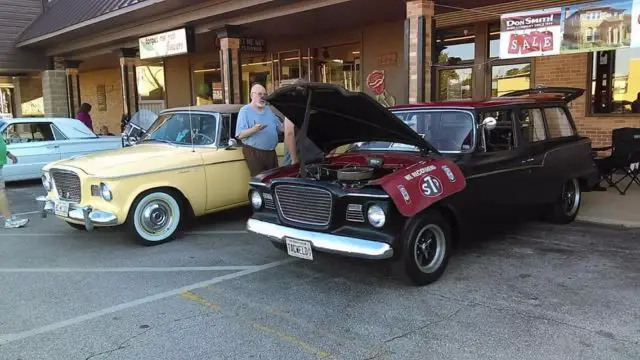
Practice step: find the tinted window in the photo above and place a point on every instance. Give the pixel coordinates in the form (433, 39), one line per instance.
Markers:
(447, 131)
(532, 125)
(558, 122)
(228, 128)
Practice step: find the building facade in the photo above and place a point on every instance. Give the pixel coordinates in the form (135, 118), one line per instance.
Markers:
(124, 56)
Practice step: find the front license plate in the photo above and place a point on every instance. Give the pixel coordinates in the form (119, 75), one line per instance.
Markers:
(61, 208)
(299, 248)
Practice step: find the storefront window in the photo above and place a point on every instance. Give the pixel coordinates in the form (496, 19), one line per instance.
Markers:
(207, 83)
(454, 83)
(256, 69)
(151, 85)
(494, 40)
(615, 82)
(6, 102)
(340, 65)
(507, 78)
(455, 48)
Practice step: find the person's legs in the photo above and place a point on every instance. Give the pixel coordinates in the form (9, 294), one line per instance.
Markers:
(5, 208)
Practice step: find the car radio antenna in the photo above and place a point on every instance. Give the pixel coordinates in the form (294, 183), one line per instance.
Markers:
(305, 126)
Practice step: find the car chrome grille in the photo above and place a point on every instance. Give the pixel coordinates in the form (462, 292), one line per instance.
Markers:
(305, 205)
(354, 213)
(67, 183)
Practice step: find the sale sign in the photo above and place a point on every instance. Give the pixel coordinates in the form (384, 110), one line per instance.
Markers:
(530, 33)
(635, 24)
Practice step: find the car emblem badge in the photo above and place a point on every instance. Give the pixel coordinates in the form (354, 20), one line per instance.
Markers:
(449, 173)
(405, 194)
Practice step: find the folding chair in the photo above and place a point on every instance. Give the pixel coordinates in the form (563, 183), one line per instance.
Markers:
(625, 157)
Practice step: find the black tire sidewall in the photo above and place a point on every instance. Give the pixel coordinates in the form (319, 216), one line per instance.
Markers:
(410, 267)
(556, 213)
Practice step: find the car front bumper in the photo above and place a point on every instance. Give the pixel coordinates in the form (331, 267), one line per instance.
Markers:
(342, 245)
(86, 214)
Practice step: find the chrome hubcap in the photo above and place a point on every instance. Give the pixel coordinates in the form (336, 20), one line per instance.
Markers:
(156, 217)
(570, 197)
(429, 248)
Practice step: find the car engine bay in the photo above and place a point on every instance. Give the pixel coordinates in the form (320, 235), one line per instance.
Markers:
(347, 176)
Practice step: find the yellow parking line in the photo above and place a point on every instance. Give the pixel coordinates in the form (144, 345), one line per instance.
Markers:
(302, 345)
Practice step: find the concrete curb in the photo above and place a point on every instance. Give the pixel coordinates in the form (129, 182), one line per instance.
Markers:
(605, 221)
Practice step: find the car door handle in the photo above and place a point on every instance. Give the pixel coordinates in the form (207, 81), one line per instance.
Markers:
(53, 146)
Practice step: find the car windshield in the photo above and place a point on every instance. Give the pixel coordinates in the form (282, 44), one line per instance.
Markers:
(449, 131)
(184, 129)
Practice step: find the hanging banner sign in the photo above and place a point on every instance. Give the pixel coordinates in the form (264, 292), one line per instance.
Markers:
(530, 33)
(175, 42)
(635, 24)
(599, 26)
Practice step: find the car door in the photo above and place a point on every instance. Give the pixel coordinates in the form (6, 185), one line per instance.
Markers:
(534, 138)
(496, 178)
(34, 144)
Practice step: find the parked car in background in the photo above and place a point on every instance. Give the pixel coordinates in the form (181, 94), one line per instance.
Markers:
(417, 176)
(138, 126)
(38, 141)
(183, 166)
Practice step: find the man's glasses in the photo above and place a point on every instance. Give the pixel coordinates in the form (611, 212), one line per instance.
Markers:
(261, 94)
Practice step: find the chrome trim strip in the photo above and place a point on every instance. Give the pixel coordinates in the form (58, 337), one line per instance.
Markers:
(115, 177)
(329, 243)
(254, 183)
(377, 196)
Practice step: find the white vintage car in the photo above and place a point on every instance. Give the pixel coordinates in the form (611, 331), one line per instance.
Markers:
(39, 141)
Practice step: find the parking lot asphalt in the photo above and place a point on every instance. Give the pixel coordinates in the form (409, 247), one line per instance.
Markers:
(534, 292)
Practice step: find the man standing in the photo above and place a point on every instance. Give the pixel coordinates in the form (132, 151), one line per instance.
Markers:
(9, 220)
(635, 106)
(297, 146)
(258, 128)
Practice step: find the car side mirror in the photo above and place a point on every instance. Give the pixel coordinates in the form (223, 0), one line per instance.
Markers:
(489, 123)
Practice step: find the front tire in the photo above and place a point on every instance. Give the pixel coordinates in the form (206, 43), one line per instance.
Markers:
(427, 246)
(565, 209)
(155, 217)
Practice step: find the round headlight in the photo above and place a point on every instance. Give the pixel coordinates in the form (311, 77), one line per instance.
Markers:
(105, 192)
(256, 200)
(376, 216)
(46, 182)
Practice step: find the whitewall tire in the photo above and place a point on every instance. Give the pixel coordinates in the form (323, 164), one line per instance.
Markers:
(155, 217)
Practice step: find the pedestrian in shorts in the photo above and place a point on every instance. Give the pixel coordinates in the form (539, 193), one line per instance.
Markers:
(10, 221)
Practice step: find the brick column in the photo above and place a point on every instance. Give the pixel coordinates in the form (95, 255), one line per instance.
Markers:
(418, 38)
(230, 64)
(54, 93)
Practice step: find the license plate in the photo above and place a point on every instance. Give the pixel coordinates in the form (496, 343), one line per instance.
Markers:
(299, 248)
(61, 208)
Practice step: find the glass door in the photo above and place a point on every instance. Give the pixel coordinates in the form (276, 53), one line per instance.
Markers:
(288, 67)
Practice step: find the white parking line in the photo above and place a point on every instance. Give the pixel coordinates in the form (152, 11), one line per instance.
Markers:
(127, 269)
(23, 233)
(8, 338)
(27, 213)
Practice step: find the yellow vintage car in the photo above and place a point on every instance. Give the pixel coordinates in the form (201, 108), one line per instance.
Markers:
(184, 166)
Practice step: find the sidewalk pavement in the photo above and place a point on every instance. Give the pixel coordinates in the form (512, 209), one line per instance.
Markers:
(611, 208)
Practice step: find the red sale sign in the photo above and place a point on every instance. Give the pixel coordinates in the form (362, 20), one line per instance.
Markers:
(530, 33)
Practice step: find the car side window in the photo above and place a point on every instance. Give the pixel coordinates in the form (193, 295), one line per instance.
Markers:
(228, 127)
(501, 138)
(28, 132)
(532, 125)
(558, 122)
(57, 133)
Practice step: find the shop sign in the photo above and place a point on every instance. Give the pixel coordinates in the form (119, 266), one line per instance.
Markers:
(388, 59)
(175, 42)
(253, 45)
(375, 83)
(635, 24)
(530, 33)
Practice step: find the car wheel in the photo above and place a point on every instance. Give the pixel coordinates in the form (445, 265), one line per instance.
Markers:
(76, 226)
(155, 217)
(565, 209)
(427, 246)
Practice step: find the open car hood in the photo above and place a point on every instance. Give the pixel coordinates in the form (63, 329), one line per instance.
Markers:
(339, 117)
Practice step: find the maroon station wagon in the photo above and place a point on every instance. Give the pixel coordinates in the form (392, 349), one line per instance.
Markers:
(416, 177)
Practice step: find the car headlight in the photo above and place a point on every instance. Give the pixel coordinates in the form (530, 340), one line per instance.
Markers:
(105, 192)
(376, 216)
(46, 181)
(256, 200)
